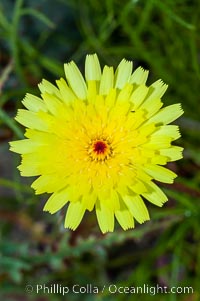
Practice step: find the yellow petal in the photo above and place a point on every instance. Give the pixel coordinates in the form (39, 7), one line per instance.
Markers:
(160, 173)
(48, 183)
(31, 120)
(75, 80)
(146, 130)
(155, 195)
(139, 76)
(105, 217)
(138, 96)
(125, 93)
(92, 91)
(158, 142)
(123, 73)
(92, 68)
(56, 201)
(110, 98)
(88, 201)
(167, 114)
(137, 208)
(42, 138)
(125, 219)
(139, 118)
(112, 202)
(171, 131)
(52, 103)
(66, 92)
(74, 215)
(107, 78)
(157, 90)
(173, 153)
(44, 162)
(138, 187)
(34, 103)
(48, 87)
(158, 159)
(24, 146)
(151, 106)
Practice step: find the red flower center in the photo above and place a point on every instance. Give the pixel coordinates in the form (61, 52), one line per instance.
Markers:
(99, 147)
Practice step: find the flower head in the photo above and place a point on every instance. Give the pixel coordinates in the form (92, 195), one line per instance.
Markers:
(99, 142)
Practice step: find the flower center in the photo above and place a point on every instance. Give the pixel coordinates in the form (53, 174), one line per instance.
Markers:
(100, 147)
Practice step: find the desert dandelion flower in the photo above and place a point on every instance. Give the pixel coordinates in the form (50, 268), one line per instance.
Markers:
(99, 142)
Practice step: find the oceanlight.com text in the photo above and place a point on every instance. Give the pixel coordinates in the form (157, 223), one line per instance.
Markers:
(112, 289)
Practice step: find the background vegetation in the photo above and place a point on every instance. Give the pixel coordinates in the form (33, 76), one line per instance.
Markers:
(36, 38)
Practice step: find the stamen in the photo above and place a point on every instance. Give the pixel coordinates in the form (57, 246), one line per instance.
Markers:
(99, 147)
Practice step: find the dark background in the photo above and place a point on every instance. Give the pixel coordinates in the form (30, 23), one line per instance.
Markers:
(36, 38)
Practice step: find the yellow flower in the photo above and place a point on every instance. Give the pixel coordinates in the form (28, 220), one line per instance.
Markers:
(99, 142)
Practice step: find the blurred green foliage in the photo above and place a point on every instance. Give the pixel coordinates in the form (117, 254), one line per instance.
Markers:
(36, 38)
